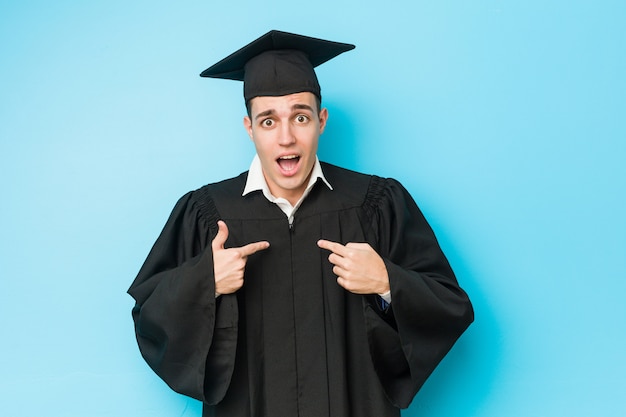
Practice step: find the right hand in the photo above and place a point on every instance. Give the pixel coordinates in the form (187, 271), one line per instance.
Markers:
(229, 264)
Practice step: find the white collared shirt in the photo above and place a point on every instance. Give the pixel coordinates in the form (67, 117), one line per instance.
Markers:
(256, 181)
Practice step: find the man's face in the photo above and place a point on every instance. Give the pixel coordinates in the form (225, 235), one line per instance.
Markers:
(285, 131)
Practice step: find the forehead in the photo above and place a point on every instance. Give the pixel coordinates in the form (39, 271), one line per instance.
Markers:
(282, 103)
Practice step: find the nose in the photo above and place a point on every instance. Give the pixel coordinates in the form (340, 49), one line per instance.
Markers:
(286, 135)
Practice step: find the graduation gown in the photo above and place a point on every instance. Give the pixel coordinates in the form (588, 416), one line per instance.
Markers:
(292, 342)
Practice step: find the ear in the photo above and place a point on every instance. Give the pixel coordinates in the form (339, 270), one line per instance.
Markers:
(247, 123)
(323, 119)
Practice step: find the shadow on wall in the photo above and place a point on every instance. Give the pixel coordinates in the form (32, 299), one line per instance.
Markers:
(463, 381)
(338, 144)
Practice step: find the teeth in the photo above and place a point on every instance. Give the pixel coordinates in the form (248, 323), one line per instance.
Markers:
(289, 157)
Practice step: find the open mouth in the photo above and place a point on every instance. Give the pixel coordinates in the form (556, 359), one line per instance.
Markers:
(288, 163)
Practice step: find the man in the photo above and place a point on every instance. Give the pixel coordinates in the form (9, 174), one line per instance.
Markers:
(297, 288)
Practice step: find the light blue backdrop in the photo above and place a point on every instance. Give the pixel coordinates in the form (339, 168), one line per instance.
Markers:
(505, 119)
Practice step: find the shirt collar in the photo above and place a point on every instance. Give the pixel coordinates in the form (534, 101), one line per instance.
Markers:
(256, 179)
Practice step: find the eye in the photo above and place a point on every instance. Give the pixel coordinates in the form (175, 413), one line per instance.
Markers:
(267, 123)
(301, 118)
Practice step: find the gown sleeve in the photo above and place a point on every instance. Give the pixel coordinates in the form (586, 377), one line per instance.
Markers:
(186, 335)
(428, 310)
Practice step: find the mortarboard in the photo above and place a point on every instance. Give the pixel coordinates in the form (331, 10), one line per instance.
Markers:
(278, 63)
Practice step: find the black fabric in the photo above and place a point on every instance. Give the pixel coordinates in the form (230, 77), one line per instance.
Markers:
(277, 63)
(292, 342)
(279, 73)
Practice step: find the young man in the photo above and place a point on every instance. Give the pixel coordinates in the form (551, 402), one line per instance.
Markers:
(297, 288)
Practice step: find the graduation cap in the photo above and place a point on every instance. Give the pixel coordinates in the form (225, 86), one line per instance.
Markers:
(278, 63)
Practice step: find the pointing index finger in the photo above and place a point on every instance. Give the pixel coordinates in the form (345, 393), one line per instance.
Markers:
(334, 247)
(252, 248)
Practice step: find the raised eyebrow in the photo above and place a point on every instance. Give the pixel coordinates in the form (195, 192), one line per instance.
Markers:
(302, 107)
(264, 114)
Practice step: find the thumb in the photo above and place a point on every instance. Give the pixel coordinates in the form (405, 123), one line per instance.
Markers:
(220, 238)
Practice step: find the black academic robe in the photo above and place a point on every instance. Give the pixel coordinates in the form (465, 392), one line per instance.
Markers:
(292, 342)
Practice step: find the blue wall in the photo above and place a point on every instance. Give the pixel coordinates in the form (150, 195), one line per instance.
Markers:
(504, 119)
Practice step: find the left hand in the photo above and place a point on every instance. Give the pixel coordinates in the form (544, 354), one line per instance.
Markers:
(358, 267)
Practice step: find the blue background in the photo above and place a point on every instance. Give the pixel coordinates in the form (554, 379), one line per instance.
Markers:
(505, 120)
